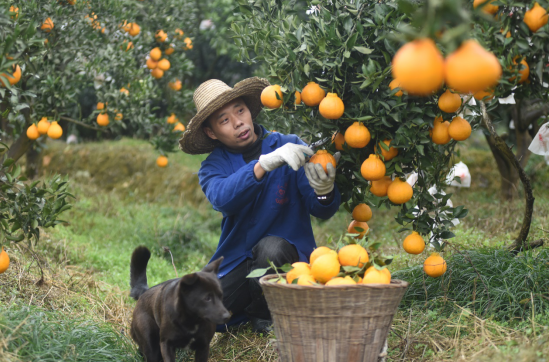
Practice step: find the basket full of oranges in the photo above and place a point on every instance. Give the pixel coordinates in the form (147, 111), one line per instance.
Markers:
(337, 307)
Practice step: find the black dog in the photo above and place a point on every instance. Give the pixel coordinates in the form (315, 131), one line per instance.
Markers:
(175, 314)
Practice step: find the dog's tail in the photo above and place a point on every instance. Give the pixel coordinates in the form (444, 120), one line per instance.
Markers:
(138, 271)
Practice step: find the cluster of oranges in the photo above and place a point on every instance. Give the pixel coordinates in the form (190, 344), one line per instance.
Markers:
(133, 29)
(44, 127)
(326, 267)
(103, 116)
(162, 161)
(94, 22)
(330, 106)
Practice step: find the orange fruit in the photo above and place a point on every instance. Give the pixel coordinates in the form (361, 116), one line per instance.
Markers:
(352, 228)
(471, 68)
(373, 168)
(32, 132)
(134, 29)
(380, 187)
(449, 102)
(536, 17)
(312, 94)
(400, 192)
(4, 261)
(103, 119)
(487, 8)
(374, 276)
(306, 279)
(100, 106)
(387, 155)
(164, 64)
(300, 268)
(125, 91)
(419, 67)
(524, 72)
(339, 139)
(162, 161)
(47, 25)
(459, 129)
(357, 135)
(155, 53)
(179, 33)
(323, 158)
(413, 243)
(269, 98)
(480, 95)
(172, 119)
(188, 44)
(43, 126)
(118, 117)
(170, 50)
(179, 127)
(160, 36)
(341, 281)
(297, 96)
(15, 12)
(55, 131)
(353, 255)
(151, 63)
(13, 78)
(439, 132)
(434, 266)
(175, 85)
(362, 212)
(321, 250)
(157, 73)
(325, 267)
(395, 84)
(331, 107)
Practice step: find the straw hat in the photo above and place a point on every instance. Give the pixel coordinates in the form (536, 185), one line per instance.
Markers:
(208, 98)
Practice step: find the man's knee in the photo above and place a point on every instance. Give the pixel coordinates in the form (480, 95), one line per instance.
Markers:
(275, 249)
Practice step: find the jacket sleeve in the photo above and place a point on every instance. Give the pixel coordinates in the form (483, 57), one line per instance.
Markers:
(228, 192)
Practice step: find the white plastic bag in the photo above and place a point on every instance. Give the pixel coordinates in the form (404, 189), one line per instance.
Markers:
(462, 171)
(540, 143)
(412, 178)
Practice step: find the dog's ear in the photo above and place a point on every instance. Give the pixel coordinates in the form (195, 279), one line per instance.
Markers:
(213, 267)
(189, 279)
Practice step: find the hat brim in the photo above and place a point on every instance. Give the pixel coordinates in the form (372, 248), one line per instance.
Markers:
(194, 141)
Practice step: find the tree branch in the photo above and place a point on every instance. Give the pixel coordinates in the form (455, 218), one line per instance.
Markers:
(520, 241)
(82, 124)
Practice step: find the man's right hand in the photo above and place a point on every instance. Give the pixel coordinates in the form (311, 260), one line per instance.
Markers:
(291, 154)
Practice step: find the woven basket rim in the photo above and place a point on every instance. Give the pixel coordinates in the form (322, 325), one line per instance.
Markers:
(395, 283)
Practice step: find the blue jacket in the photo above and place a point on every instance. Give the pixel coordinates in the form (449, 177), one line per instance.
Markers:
(279, 204)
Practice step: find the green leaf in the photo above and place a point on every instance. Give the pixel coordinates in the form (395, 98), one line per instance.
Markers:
(363, 50)
(258, 272)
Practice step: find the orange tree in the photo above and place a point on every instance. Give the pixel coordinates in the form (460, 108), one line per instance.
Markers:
(349, 48)
(55, 56)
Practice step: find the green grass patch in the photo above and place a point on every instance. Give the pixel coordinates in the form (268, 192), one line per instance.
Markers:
(492, 283)
(33, 334)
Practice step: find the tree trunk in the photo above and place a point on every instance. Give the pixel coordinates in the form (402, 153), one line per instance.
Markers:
(520, 242)
(33, 157)
(508, 173)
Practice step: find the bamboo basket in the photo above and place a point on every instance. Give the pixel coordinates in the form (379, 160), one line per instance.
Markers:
(343, 323)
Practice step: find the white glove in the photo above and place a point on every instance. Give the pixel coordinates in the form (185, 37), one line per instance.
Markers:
(321, 182)
(292, 154)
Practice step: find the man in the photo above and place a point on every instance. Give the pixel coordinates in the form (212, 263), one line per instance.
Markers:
(256, 179)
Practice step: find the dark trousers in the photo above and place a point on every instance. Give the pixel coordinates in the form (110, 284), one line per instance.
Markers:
(243, 295)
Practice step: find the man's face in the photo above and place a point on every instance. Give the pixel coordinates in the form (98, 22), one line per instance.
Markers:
(232, 125)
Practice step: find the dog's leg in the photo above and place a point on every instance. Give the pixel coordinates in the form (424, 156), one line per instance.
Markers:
(168, 352)
(202, 354)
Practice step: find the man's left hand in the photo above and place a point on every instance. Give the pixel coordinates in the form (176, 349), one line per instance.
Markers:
(321, 182)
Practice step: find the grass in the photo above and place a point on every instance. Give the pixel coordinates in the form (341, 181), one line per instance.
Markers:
(124, 200)
(32, 334)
